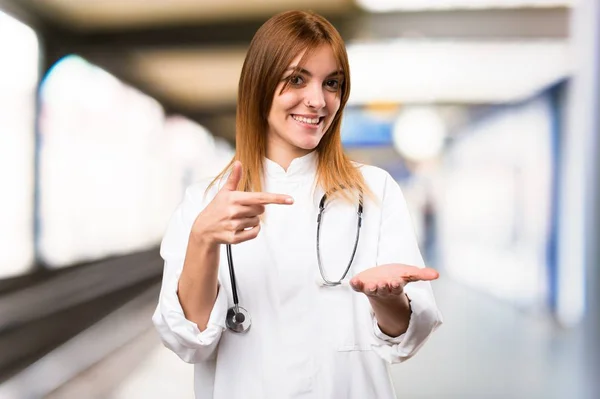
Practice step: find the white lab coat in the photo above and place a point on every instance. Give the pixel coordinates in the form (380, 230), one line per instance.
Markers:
(306, 340)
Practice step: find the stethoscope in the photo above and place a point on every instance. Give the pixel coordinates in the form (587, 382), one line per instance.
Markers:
(238, 319)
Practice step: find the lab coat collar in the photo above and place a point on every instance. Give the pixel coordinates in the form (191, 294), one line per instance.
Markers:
(304, 166)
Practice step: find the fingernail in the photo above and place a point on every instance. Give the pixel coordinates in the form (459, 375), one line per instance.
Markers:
(289, 200)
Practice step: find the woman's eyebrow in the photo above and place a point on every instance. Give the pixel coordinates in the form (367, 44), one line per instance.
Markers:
(307, 73)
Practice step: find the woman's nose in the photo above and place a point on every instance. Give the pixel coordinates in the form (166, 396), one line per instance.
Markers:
(315, 97)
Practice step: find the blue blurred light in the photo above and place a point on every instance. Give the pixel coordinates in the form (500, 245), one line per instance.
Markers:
(362, 129)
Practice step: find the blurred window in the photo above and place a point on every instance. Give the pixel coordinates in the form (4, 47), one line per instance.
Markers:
(100, 165)
(18, 81)
(493, 203)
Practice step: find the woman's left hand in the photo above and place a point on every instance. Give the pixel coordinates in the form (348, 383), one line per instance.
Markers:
(388, 281)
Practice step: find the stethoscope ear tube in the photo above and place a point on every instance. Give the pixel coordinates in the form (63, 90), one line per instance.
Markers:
(232, 275)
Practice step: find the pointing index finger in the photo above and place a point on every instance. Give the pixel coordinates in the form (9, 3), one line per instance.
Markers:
(267, 198)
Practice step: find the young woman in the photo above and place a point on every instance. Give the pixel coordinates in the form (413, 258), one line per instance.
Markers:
(313, 251)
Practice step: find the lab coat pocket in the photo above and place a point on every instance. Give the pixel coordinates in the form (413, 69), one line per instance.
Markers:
(355, 323)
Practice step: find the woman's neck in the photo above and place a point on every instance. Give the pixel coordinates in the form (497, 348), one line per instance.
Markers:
(284, 158)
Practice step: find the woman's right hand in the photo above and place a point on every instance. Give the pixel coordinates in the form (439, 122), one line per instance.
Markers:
(233, 216)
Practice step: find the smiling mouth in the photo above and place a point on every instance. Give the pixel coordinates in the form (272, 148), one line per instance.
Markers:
(308, 121)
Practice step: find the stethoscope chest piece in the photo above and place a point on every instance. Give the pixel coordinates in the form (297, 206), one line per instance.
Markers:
(238, 319)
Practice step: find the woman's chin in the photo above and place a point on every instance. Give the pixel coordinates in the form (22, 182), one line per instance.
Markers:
(309, 143)
(308, 146)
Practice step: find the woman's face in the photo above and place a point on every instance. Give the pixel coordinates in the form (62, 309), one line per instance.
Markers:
(300, 115)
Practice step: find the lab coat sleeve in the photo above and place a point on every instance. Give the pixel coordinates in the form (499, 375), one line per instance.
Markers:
(177, 333)
(398, 244)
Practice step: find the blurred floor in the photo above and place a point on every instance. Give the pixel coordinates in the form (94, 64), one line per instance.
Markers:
(485, 349)
(141, 369)
(488, 349)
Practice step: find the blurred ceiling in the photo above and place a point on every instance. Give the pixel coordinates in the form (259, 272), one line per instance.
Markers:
(188, 53)
(192, 78)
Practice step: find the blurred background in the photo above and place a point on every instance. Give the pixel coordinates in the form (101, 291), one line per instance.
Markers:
(485, 111)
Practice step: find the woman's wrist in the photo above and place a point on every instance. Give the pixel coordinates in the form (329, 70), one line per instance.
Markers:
(392, 314)
(202, 251)
(201, 238)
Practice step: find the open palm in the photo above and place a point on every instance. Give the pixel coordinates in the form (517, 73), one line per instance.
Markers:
(390, 280)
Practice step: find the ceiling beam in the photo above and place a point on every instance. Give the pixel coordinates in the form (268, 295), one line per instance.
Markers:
(213, 34)
(468, 24)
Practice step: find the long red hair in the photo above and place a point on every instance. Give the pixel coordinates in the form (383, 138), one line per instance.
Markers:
(274, 46)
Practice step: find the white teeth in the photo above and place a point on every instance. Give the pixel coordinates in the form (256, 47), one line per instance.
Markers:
(312, 121)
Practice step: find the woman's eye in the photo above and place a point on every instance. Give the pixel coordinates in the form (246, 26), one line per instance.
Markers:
(295, 80)
(333, 84)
